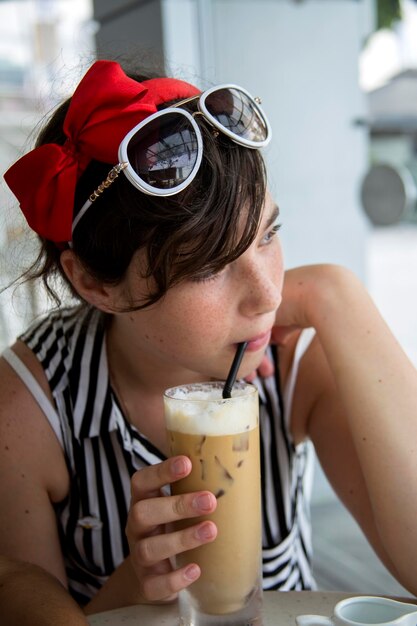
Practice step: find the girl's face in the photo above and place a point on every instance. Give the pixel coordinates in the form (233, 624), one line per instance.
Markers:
(196, 326)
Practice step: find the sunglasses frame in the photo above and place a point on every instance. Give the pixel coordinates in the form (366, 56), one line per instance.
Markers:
(136, 180)
(125, 166)
(247, 143)
(202, 108)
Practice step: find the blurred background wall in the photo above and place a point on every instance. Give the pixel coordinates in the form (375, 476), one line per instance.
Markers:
(301, 58)
(338, 81)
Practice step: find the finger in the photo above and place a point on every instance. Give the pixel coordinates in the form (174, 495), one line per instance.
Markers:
(157, 588)
(151, 550)
(146, 514)
(148, 482)
(266, 367)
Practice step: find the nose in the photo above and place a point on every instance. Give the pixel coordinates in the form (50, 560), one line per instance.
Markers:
(261, 287)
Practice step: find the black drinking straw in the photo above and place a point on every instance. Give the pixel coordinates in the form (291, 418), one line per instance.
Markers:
(230, 380)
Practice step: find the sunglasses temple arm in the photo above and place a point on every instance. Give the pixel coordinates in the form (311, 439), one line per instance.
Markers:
(181, 102)
(111, 177)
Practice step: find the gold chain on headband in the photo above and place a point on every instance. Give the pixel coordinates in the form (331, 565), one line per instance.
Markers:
(111, 177)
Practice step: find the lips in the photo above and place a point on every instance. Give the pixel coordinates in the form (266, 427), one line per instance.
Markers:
(258, 342)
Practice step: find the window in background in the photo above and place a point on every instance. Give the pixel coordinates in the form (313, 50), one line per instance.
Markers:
(45, 46)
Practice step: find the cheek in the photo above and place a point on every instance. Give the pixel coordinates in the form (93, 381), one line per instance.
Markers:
(202, 311)
(279, 265)
(204, 316)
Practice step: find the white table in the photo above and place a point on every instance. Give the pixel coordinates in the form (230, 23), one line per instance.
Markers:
(280, 609)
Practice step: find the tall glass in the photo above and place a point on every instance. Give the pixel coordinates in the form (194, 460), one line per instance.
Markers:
(221, 437)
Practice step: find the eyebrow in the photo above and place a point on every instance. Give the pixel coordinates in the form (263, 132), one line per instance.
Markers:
(271, 219)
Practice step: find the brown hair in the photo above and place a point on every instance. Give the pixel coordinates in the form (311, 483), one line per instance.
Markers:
(185, 236)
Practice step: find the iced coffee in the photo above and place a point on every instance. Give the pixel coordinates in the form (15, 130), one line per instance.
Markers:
(221, 437)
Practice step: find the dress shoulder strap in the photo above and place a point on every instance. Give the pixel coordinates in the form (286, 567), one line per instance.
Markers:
(36, 390)
(303, 343)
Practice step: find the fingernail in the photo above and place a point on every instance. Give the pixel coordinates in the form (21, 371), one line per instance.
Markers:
(206, 531)
(203, 502)
(179, 467)
(192, 572)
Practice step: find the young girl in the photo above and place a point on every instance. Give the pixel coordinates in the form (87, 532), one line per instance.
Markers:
(151, 203)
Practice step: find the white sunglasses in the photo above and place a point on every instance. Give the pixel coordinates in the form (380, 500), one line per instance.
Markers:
(161, 155)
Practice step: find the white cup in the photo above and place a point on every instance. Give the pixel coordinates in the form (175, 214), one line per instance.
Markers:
(364, 611)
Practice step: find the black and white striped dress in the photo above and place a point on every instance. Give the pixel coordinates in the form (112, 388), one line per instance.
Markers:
(103, 451)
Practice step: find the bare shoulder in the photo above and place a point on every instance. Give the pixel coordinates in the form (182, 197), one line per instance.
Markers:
(33, 473)
(27, 438)
(26, 355)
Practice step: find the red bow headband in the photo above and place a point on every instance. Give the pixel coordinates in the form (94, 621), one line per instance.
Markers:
(104, 107)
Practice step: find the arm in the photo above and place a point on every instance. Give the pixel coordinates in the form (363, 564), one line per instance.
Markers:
(33, 476)
(30, 596)
(360, 407)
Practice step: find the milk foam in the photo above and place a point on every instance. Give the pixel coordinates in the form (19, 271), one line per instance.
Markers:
(198, 410)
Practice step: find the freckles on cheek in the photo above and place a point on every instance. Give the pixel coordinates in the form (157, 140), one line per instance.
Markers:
(207, 316)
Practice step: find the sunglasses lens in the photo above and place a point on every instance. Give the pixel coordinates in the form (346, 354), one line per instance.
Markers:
(234, 110)
(164, 153)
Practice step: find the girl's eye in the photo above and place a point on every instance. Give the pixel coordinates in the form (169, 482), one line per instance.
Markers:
(270, 234)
